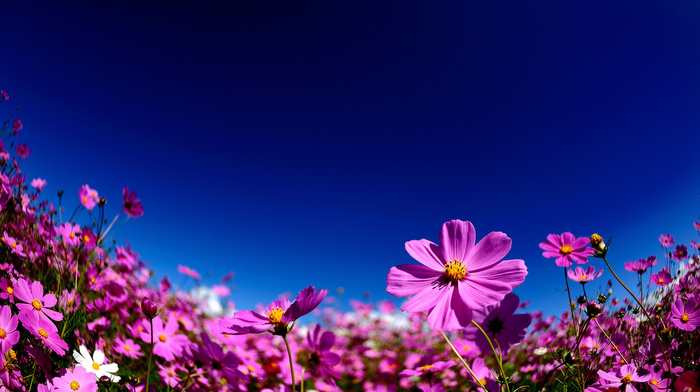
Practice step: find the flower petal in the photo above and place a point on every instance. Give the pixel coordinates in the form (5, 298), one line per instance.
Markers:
(408, 279)
(488, 251)
(451, 312)
(457, 239)
(426, 253)
(425, 299)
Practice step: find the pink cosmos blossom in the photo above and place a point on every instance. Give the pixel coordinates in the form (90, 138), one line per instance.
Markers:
(321, 359)
(680, 253)
(34, 300)
(127, 347)
(79, 380)
(9, 336)
(457, 277)
(88, 197)
(661, 278)
(566, 249)
(132, 206)
(221, 290)
(15, 246)
(4, 95)
(169, 373)
(685, 317)
(17, 125)
(44, 330)
(666, 240)
(581, 276)
(39, 184)
(88, 238)
(656, 380)
(696, 225)
(22, 150)
(212, 355)
(168, 344)
(7, 289)
(278, 315)
(500, 323)
(627, 375)
(641, 265)
(484, 375)
(69, 233)
(187, 271)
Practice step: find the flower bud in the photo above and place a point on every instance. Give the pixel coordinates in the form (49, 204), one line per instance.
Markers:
(593, 309)
(582, 300)
(602, 299)
(105, 380)
(149, 307)
(190, 365)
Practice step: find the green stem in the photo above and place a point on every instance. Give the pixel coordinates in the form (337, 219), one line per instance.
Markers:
(610, 341)
(150, 356)
(498, 356)
(291, 364)
(462, 360)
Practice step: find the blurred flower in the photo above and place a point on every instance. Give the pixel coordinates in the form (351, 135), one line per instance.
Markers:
(127, 347)
(132, 206)
(640, 266)
(9, 335)
(168, 344)
(22, 150)
(15, 246)
(88, 197)
(581, 276)
(680, 253)
(187, 271)
(688, 382)
(566, 249)
(661, 278)
(500, 324)
(4, 95)
(39, 184)
(69, 233)
(627, 375)
(95, 363)
(685, 317)
(666, 240)
(17, 125)
(456, 277)
(321, 359)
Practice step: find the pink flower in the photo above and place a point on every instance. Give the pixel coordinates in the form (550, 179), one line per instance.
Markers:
(566, 249)
(9, 336)
(640, 266)
(4, 95)
(132, 206)
(457, 277)
(500, 323)
(35, 301)
(39, 183)
(17, 125)
(127, 347)
(70, 234)
(685, 317)
(680, 253)
(277, 316)
(88, 238)
(581, 276)
(627, 375)
(23, 150)
(188, 272)
(88, 197)
(168, 344)
(322, 359)
(79, 380)
(661, 278)
(44, 330)
(666, 240)
(15, 246)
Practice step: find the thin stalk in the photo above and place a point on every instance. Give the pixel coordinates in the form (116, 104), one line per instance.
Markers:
(498, 356)
(102, 237)
(291, 364)
(610, 341)
(462, 360)
(150, 356)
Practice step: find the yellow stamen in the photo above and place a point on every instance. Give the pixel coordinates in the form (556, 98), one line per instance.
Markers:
(654, 382)
(685, 317)
(626, 379)
(43, 333)
(2, 333)
(86, 239)
(12, 355)
(95, 366)
(455, 271)
(36, 304)
(71, 235)
(482, 381)
(74, 385)
(661, 281)
(10, 290)
(162, 338)
(566, 249)
(583, 277)
(127, 348)
(424, 368)
(275, 315)
(251, 368)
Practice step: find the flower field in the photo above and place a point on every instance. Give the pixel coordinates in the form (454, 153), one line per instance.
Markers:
(78, 313)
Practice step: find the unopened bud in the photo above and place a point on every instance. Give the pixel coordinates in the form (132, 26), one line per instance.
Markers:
(593, 309)
(105, 379)
(190, 365)
(149, 307)
(602, 299)
(582, 300)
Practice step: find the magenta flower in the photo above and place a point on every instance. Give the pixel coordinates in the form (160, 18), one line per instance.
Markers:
(661, 278)
(566, 249)
(666, 240)
(69, 233)
(685, 317)
(457, 277)
(39, 184)
(697, 225)
(222, 365)
(15, 246)
(79, 380)
(9, 336)
(23, 150)
(88, 197)
(321, 359)
(45, 331)
(688, 381)
(640, 266)
(627, 375)
(656, 380)
(88, 238)
(277, 316)
(35, 301)
(17, 125)
(4, 95)
(127, 347)
(581, 276)
(185, 270)
(168, 344)
(500, 323)
(681, 253)
(132, 206)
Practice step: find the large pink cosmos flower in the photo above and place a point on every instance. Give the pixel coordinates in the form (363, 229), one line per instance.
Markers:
(79, 380)
(500, 323)
(34, 300)
(168, 344)
(685, 317)
(278, 315)
(566, 249)
(457, 277)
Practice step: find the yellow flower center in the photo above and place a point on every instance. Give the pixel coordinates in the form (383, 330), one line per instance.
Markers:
(84, 199)
(74, 385)
(43, 333)
(654, 382)
(2, 333)
(10, 290)
(626, 379)
(162, 338)
(12, 355)
(583, 277)
(482, 381)
(275, 315)
(36, 304)
(251, 368)
(566, 249)
(424, 368)
(95, 366)
(92, 279)
(71, 235)
(127, 348)
(661, 280)
(86, 239)
(13, 245)
(685, 317)
(455, 271)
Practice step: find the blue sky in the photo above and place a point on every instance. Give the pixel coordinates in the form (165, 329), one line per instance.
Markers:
(303, 143)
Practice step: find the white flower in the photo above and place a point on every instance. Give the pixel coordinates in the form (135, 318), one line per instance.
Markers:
(540, 351)
(95, 363)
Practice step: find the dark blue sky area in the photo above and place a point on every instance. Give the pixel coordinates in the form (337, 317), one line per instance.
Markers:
(303, 142)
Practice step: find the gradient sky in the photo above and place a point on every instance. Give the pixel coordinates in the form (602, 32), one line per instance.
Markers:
(304, 142)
